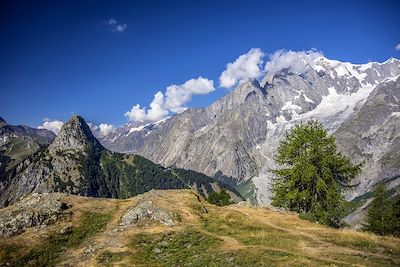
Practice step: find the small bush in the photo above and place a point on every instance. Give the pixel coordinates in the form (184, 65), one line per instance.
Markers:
(222, 198)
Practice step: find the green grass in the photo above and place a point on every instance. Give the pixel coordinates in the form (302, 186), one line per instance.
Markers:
(189, 247)
(18, 149)
(192, 247)
(50, 250)
(308, 217)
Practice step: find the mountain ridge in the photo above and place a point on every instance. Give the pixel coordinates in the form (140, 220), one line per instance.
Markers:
(76, 163)
(236, 135)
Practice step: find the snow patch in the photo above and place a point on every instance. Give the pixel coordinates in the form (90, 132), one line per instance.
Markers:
(341, 70)
(395, 114)
(308, 99)
(391, 79)
(136, 129)
(289, 106)
(162, 120)
(203, 128)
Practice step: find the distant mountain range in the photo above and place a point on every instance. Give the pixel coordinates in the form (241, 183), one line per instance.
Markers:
(234, 139)
(19, 142)
(35, 161)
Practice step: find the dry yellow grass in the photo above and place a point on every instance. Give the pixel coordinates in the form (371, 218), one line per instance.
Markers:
(222, 236)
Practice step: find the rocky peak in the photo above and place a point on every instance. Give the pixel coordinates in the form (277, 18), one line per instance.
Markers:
(249, 90)
(75, 134)
(2, 122)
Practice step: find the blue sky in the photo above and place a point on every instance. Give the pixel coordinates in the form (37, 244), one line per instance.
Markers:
(59, 58)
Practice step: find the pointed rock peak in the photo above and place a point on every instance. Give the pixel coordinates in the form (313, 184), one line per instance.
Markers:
(2, 122)
(75, 134)
(247, 87)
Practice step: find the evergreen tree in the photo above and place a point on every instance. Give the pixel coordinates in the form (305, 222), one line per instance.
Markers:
(222, 198)
(313, 173)
(396, 216)
(383, 214)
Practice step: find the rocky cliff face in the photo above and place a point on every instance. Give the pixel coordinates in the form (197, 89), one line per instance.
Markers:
(237, 135)
(77, 163)
(75, 135)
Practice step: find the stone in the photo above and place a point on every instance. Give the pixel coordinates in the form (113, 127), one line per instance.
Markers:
(146, 211)
(34, 210)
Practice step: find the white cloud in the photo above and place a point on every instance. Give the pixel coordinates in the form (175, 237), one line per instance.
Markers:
(299, 62)
(136, 113)
(173, 100)
(114, 26)
(120, 28)
(101, 130)
(52, 125)
(106, 128)
(247, 66)
(397, 47)
(111, 21)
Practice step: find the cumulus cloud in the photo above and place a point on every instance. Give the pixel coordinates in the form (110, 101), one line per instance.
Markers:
(101, 130)
(247, 66)
(52, 125)
(298, 61)
(397, 47)
(173, 100)
(114, 26)
(106, 128)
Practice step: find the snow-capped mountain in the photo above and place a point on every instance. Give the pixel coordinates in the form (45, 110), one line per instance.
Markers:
(234, 139)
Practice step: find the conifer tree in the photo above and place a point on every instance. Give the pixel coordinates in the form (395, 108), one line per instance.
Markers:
(313, 173)
(222, 198)
(383, 214)
(396, 216)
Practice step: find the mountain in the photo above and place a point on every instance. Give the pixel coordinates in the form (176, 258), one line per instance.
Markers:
(76, 163)
(19, 142)
(234, 139)
(372, 135)
(176, 228)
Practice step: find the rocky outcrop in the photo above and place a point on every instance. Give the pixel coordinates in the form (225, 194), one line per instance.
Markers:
(147, 211)
(74, 135)
(36, 210)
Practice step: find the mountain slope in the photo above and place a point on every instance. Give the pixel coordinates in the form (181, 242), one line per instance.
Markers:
(372, 135)
(77, 163)
(19, 142)
(175, 227)
(235, 138)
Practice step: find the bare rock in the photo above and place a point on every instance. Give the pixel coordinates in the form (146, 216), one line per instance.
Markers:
(146, 210)
(34, 210)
